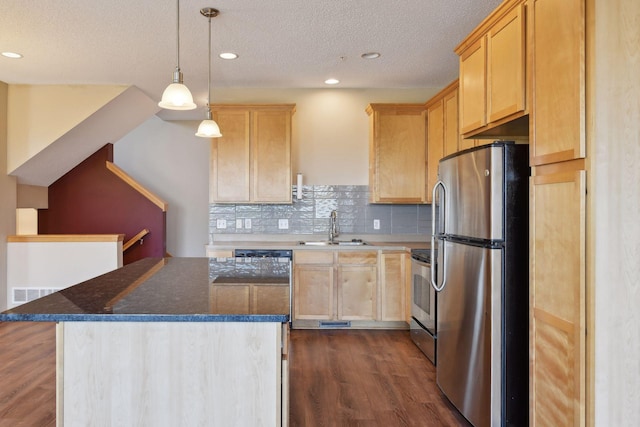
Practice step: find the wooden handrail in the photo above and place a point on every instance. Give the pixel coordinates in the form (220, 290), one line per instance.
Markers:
(134, 239)
(137, 186)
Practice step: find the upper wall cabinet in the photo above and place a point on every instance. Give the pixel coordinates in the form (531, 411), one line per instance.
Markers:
(493, 89)
(443, 135)
(251, 162)
(558, 69)
(397, 153)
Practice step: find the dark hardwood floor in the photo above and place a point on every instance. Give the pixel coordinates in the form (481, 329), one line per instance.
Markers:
(364, 378)
(337, 378)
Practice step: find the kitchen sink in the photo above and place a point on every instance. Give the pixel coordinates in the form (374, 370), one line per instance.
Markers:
(353, 242)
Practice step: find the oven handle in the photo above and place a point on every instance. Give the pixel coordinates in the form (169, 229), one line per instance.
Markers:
(433, 236)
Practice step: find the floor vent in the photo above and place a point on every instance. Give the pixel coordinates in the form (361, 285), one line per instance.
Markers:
(22, 295)
(335, 324)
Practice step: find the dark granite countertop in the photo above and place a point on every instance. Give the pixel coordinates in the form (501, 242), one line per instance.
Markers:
(171, 290)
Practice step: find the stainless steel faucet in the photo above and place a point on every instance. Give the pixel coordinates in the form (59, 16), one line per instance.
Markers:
(333, 226)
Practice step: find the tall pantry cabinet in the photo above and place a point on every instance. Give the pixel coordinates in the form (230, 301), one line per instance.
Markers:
(558, 213)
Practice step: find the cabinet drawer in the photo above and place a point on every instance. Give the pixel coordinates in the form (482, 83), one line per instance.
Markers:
(358, 257)
(313, 257)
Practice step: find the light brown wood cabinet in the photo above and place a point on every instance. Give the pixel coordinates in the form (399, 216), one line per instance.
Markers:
(251, 162)
(397, 153)
(493, 89)
(363, 286)
(250, 298)
(357, 285)
(452, 140)
(558, 206)
(557, 295)
(394, 286)
(313, 285)
(443, 136)
(558, 69)
(335, 285)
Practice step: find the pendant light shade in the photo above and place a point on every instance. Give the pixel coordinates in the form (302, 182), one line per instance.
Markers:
(177, 96)
(209, 128)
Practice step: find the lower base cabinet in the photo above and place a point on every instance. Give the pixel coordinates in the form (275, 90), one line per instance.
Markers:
(360, 288)
(357, 285)
(395, 282)
(313, 285)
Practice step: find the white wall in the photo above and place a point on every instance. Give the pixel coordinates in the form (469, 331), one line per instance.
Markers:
(330, 146)
(173, 163)
(36, 117)
(58, 265)
(7, 197)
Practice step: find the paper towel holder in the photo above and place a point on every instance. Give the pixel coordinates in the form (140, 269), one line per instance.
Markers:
(299, 186)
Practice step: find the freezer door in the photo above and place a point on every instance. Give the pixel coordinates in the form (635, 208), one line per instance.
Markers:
(473, 199)
(469, 332)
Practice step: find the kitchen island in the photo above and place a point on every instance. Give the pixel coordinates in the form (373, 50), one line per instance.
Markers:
(154, 344)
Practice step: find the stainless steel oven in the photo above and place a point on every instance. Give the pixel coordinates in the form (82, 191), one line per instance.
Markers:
(423, 303)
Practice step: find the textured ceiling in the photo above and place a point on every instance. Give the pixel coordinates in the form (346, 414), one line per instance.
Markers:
(281, 43)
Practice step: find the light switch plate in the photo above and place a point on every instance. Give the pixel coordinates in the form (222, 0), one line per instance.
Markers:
(221, 223)
(283, 224)
(247, 223)
(238, 223)
(376, 224)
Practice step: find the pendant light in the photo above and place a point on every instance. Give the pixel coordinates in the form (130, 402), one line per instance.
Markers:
(177, 96)
(209, 128)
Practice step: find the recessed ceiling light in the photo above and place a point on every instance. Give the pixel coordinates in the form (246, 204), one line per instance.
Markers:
(332, 81)
(228, 55)
(370, 55)
(11, 55)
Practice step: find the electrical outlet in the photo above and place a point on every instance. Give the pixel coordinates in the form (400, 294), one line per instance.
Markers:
(247, 223)
(376, 224)
(283, 224)
(238, 223)
(221, 223)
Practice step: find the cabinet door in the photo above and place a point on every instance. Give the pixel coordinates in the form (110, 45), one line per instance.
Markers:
(473, 87)
(313, 292)
(357, 292)
(435, 144)
(451, 129)
(271, 156)
(557, 298)
(230, 298)
(269, 298)
(558, 108)
(398, 155)
(229, 170)
(506, 66)
(393, 290)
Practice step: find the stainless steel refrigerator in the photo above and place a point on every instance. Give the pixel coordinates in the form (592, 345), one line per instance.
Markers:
(480, 229)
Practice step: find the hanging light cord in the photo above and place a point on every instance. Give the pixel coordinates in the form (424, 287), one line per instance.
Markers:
(209, 75)
(177, 73)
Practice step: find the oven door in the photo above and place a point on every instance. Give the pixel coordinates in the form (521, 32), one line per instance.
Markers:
(423, 296)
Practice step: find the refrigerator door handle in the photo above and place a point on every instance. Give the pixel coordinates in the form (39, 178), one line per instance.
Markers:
(433, 235)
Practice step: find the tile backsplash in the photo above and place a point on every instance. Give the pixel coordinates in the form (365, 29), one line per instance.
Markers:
(310, 215)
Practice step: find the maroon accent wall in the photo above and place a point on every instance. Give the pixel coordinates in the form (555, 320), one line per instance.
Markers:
(90, 199)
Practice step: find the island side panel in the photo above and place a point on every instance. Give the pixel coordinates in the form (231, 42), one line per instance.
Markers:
(168, 374)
